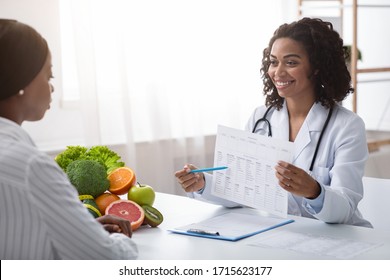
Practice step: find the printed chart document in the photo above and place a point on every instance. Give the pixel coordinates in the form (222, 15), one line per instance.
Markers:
(250, 178)
(231, 226)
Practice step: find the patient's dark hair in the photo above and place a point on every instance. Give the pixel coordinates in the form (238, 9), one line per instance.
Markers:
(324, 47)
(23, 52)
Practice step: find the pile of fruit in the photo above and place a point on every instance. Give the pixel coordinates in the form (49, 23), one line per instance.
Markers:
(100, 178)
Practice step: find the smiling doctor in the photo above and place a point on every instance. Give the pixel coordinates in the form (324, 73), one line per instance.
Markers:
(305, 79)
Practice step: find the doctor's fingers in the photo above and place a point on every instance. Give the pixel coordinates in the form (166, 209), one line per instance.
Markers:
(289, 167)
(290, 171)
(193, 185)
(303, 185)
(184, 175)
(289, 185)
(191, 182)
(186, 169)
(288, 178)
(181, 173)
(284, 182)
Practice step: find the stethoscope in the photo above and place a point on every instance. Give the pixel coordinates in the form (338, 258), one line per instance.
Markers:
(264, 119)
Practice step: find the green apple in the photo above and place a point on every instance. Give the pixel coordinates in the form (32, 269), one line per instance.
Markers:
(141, 194)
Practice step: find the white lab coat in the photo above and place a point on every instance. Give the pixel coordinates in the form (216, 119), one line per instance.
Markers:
(339, 166)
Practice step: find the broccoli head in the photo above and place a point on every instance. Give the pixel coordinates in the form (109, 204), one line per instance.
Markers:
(88, 176)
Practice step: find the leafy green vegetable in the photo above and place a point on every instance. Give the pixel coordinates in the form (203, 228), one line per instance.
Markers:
(102, 154)
(71, 154)
(88, 176)
(107, 157)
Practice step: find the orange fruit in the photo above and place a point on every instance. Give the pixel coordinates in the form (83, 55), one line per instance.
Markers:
(128, 210)
(121, 180)
(104, 200)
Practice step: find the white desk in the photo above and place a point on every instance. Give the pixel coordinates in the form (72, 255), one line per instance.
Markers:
(159, 244)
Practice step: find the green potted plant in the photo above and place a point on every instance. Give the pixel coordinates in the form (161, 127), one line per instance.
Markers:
(348, 53)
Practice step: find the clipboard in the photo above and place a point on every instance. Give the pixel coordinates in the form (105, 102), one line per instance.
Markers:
(232, 226)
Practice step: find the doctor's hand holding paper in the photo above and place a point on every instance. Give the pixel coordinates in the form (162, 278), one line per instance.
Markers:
(305, 78)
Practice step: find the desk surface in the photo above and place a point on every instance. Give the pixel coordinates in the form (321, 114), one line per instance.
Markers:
(160, 244)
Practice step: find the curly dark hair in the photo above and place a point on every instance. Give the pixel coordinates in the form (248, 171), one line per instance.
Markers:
(326, 55)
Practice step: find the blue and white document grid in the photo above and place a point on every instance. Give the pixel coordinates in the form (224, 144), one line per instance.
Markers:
(250, 178)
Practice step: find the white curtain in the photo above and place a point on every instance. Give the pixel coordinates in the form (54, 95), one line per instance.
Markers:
(153, 79)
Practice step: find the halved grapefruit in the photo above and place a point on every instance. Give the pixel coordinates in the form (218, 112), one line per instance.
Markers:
(128, 210)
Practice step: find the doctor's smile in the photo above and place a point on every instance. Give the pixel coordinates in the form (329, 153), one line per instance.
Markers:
(281, 85)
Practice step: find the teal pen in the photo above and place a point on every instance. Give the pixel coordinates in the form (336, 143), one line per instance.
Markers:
(208, 169)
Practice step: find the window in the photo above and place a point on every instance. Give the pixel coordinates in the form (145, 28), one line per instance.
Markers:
(165, 69)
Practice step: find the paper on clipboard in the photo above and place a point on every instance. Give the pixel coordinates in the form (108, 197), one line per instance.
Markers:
(233, 226)
(250, 178)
